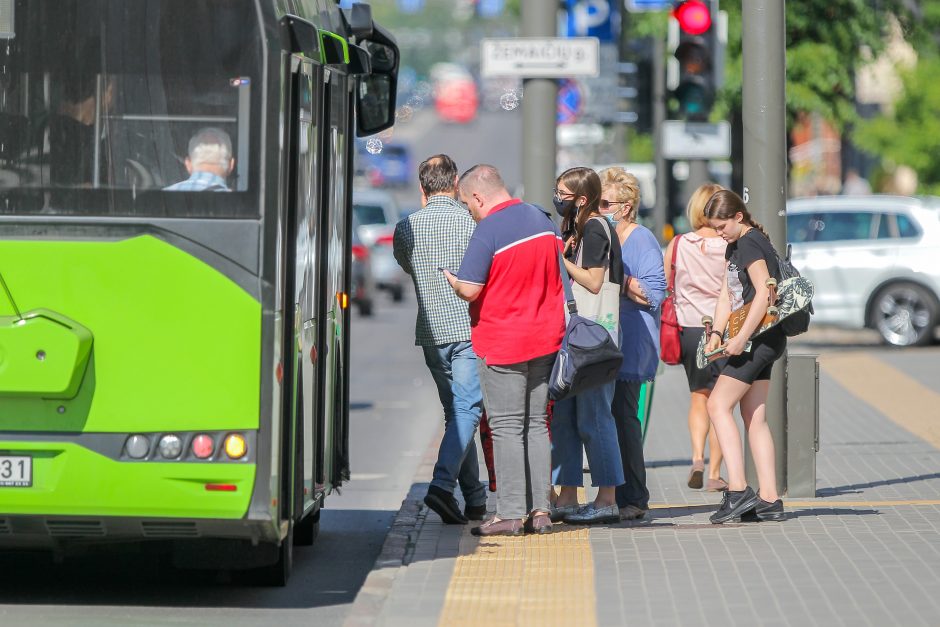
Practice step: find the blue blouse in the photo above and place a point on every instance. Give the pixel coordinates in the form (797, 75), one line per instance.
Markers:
(639, 324)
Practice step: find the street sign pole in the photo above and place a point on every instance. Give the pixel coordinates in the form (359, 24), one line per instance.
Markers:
(765, 170)
(538, 113)
(659, 118)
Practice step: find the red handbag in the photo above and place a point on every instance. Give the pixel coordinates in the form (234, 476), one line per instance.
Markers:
(670, 348)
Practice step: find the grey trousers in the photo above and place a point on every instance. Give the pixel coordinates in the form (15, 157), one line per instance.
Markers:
(516, 398)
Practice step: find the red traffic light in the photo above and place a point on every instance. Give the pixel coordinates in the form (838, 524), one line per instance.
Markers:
(694, 16)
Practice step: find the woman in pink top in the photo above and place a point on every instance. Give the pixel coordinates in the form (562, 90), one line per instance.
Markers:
(700, 268)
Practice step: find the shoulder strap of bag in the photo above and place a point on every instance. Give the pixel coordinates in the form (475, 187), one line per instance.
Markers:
(672, 267)
(566, 284)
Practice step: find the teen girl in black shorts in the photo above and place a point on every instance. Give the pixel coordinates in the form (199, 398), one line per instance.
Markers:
(745, 379)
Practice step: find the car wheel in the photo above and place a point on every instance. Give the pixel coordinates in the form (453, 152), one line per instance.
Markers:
(365, 308)
(398, 293)
(904, 314)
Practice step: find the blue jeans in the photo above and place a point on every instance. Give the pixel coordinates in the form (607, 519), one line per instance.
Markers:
(454, 369)
(586, 418)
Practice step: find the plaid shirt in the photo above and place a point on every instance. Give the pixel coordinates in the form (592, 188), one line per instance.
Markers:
(200, 182)
(431, 238)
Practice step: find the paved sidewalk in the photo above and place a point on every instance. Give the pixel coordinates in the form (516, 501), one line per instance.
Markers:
(865, 552)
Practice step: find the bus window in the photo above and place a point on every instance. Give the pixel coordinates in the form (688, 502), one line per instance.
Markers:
(104, 121)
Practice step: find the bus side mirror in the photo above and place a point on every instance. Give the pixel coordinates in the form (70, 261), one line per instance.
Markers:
(376, 92)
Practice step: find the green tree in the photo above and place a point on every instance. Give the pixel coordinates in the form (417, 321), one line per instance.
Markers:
(910, 134)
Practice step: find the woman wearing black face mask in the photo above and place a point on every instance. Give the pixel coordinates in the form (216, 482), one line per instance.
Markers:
(592, 257)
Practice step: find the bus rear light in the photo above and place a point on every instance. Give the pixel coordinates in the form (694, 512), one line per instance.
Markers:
(203, 446)
(137, 446)
(235, 446)
(170, 446)
(342, 298)
(385, 240)
(221, 487)
(279, 373)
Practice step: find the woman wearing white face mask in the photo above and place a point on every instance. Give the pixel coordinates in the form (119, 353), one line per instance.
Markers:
(643, 290)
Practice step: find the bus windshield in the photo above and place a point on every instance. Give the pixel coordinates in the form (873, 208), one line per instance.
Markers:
(115, 108)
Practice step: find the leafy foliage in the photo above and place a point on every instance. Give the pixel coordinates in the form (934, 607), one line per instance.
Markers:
(911, 134)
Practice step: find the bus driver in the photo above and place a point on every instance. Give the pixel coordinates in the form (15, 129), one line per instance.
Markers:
(209, 162)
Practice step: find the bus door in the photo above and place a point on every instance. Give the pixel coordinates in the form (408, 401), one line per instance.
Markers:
(300, 232)
(309, 294)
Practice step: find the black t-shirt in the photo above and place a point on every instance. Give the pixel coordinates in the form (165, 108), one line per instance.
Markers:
(72, 155)
(597, 250)
(752, 246)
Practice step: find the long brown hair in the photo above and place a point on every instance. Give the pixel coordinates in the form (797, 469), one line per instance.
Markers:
(580, 182)
(724, 204)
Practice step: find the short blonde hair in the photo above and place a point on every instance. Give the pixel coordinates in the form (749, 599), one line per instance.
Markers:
(695, 210)
(626, 187)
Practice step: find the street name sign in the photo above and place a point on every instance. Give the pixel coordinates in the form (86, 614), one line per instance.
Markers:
(540, 57)
(695, 140)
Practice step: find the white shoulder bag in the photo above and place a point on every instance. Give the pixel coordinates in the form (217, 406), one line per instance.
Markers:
(603, 307)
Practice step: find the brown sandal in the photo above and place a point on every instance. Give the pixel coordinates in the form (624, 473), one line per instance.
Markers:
(696, 475)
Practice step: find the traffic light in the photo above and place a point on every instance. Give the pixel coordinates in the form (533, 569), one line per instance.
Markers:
(695, 51)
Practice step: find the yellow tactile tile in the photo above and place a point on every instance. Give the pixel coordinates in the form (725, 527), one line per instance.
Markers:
(531, 580)
(901, 398)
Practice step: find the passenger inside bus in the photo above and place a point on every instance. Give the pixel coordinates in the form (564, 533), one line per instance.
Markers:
(209, 162)
(72, 131)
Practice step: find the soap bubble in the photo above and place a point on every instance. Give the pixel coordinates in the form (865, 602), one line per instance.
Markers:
(509, 101)
(404, 113)
(374, 145)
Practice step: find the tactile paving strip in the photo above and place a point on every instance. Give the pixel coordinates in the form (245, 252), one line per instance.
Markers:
(530, 580)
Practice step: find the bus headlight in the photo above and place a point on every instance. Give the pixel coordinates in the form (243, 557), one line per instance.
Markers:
(235, 446)
(170, 446)
(137, 446)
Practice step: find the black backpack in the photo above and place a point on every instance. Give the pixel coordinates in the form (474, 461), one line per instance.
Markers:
(797, 323)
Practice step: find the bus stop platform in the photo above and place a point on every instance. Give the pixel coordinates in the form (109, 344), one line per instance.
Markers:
(865, 551)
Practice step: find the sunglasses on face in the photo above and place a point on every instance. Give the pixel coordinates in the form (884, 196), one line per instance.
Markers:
(607, 204)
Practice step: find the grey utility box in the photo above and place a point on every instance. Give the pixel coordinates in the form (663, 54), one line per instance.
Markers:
(802, 424)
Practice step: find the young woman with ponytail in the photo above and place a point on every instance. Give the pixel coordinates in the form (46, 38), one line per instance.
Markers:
(745, 378)
(586, 420)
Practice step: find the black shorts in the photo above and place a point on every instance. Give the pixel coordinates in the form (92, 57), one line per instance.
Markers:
(756, 364)
(699, 378)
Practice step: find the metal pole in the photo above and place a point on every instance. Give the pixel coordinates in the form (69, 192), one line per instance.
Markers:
(765, 168)
(539, 106)
(659, 116)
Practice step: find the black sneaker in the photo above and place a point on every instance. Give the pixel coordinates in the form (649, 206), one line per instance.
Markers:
(475, 512)
(765, 511)
(734, 505)
(445, 505)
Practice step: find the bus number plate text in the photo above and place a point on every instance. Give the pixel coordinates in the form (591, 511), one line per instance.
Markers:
(16, 472)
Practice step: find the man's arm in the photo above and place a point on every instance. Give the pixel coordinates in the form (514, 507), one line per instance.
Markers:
(467, 291)
(402, 245)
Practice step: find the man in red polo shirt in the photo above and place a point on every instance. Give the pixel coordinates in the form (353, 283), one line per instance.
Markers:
(510, 276)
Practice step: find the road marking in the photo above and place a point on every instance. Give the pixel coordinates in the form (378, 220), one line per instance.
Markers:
(905, 401)
(530, 580)
(367, 476)
(817, 504)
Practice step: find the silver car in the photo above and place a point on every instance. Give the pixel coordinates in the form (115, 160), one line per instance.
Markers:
(376, 212)
(874, 260)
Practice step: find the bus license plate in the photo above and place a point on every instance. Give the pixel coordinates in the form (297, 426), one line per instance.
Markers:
(16, 471)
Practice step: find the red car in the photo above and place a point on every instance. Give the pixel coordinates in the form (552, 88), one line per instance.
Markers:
(457, 100)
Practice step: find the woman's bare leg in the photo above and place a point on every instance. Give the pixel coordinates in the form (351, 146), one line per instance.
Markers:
(728, 393)
(754, 413)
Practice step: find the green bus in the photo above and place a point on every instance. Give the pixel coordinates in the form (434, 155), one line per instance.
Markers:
(175, 234)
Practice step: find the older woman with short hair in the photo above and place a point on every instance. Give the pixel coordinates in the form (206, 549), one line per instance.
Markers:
(644, 288)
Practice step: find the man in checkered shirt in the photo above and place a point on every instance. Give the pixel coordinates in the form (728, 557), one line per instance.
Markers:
(431, 239)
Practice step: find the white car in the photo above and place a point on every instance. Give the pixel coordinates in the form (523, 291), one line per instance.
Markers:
(874, 261)
(376, 212)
